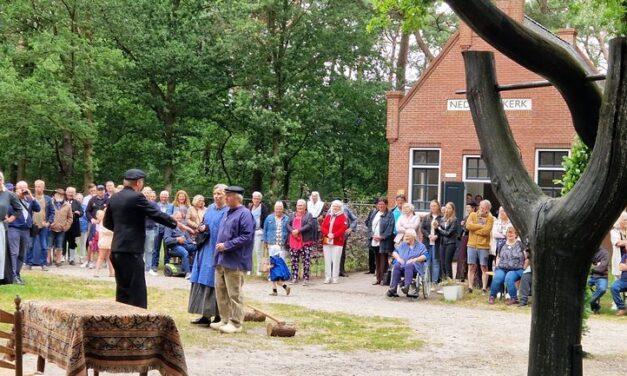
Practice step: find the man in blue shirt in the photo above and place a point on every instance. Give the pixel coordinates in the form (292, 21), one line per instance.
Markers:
(620, 285)
(166, 207)
(233, 258)
(19, 230)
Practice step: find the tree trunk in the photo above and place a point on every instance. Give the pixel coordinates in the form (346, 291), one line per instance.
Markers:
(401, 65)
(67, 156)
(88, 161)
(286, 180)
(168, 167)
(21, 169)
(559, 282)
(257, 181)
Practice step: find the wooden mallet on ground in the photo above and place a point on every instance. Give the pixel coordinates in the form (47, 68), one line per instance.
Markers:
(254, 316)
(280, 329)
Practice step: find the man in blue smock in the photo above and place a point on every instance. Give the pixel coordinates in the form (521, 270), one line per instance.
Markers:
(234, 257)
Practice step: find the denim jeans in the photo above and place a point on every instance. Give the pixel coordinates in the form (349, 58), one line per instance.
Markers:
(38, 252)
(149, 245)
(184, 251)
(507, 276)
(159, 231)
(618, 286)
(434, 263)
(600, 284)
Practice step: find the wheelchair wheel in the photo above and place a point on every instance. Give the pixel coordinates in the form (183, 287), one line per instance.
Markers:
(426, 283)
(167, 271)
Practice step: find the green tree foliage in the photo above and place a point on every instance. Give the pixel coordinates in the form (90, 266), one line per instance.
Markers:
(271, 95)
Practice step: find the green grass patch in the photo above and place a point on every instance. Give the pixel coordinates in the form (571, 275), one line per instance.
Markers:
(330, 331)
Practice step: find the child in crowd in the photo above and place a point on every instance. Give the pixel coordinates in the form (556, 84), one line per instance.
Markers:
(105, 236)
(278, 270)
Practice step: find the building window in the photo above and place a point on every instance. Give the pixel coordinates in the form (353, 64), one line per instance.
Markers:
(475, 170)
(425, 177)
(548, 169)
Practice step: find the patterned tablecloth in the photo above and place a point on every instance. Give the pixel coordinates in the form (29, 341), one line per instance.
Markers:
(102, 335)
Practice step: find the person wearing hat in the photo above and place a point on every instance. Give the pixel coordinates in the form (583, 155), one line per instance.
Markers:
(233, 258)
(126, 217)
(63, 219)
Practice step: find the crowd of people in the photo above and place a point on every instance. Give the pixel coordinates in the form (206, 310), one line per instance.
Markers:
(490, 253)
(69, 228)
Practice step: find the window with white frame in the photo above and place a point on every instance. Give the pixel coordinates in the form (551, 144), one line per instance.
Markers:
(475, 169)
(424, 177)
(548, 169)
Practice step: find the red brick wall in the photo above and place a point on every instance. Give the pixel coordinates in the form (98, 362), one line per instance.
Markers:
(423, 120)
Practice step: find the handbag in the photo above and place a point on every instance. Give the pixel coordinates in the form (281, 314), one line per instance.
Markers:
(265, 261)
(201, 238)
(34, 230)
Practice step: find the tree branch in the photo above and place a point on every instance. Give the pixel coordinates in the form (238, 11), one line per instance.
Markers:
(540, 56)
(602, 186)
(510, 181)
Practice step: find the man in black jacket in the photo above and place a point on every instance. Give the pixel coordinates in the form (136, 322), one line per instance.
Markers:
(75, 230)
(598, 277)
(126, 216)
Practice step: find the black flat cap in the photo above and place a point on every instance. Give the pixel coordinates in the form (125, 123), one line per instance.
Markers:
(134, 174)
(234, 189)
(100, 187)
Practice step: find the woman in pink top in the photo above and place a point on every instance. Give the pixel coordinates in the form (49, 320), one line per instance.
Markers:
(407, 220)
(301, 240)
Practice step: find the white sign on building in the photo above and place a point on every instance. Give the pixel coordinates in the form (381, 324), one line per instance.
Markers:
(509, 104)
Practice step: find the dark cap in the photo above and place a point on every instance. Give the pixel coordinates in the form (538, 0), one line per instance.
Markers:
(100, 187)
(59, 191)
(9, 186)
(134, 174)
(234, 189)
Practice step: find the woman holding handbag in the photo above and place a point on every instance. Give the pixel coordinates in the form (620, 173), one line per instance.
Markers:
(302, 229)
(334, 227)
(202, 297)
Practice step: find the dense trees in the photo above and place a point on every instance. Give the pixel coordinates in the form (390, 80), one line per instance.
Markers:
(269, 94)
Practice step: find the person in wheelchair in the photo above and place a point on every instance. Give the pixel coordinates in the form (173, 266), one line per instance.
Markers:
(409, 260)
(180, 244)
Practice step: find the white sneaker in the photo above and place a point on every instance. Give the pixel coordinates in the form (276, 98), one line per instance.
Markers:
(335, 280)
(84, 265)
(230, 328)
(327, 281)
(153, 273)
(217, 325)
(90, 266)
(258, 274)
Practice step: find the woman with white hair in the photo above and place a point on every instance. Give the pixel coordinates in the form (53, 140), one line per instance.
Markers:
(7, 200)
(333, 229)
(196, 212)
(301, 227)
(408, 220)
(275, 231)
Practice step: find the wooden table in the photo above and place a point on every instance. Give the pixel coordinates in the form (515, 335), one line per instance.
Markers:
(102, 335)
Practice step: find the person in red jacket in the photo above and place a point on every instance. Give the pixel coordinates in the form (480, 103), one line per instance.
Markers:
(333, 229)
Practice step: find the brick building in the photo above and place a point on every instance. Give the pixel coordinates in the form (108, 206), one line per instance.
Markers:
(434, 151)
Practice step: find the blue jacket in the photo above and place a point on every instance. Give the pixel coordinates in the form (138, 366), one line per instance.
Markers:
(269, 230)
(19, 222)
(236, 231)
(170, 235)
(406, 252)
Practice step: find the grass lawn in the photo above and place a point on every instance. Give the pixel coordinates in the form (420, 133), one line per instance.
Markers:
(330, 331)
(476, 300)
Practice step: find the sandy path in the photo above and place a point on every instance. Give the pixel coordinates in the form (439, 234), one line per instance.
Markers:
(460, 340)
